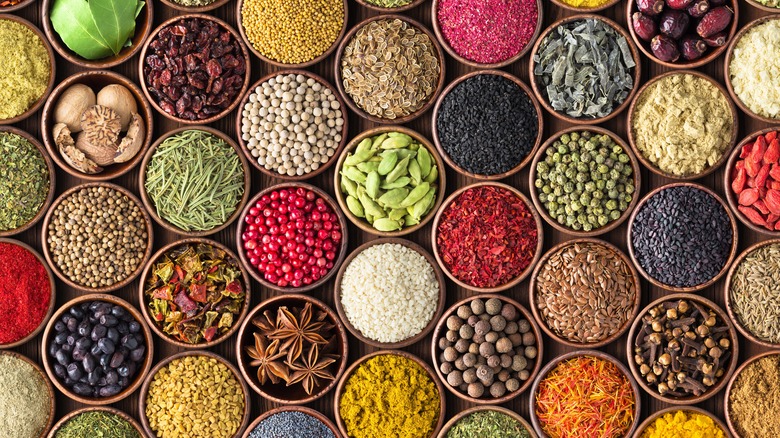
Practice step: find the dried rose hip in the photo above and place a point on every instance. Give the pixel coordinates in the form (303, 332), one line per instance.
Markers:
(644, 26)
(664, 48)
(650, 7)
(692, 47)
(714, 21)
(674, 23)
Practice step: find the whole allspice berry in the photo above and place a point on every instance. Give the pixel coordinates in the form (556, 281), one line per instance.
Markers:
(450, 354)
(482, 328)
(509, 312)
(470, 375)
(498, 323)
(493, 306)
(454, 323)
(478, 307)
(512, 385)
(504, 345)
(497, 389)
(487, 349)
(464, 312)
(476, 390)
(455, 378)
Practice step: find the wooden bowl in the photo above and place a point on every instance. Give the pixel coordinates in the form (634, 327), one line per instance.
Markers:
(104, 409)
(456, 82)
(711, 281)
(533, 291)
(342, 250)
(142, 63)
(673, 409)
(50, 258)
(194, 353)
(194, 9)
(149, 269)
(688, 400)
(568, 7)
(592, 353)
(16, 7)
(345, 378)
(443, 41)
(439, 305)
(540, 156)
(413, 4)
(726, 405)
(647, 163)
(280, 393)
(96, 80)
(52, 180)
(143, 24)
(245, 147)
(45, 379)
(516, 280)
(143, 369)
(348, 99)
(52, 62)
(463, 414)
(302, 409)
(761, 7)
(538, 89)
(342, 200)
(149, 203)
(52, 294)
(486, 399)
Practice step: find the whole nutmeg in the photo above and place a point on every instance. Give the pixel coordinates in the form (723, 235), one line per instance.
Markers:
(454, 323)
(482, 328)
(497, 323)
(509, 312)
(497, 389)
(478, 307)
(71, 105)
(476, 390)
(493, 306)
(455, 378)
(119, 99)
(504, 345)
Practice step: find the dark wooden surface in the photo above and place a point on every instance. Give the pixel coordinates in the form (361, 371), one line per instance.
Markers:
(747, 125)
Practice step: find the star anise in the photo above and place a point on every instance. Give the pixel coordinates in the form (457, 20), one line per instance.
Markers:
(310, 368)
(267, 359)
(266, 323)
(292, 331)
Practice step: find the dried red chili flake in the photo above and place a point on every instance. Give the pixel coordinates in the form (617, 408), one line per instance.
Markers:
(487, 236)
(755, 180)
(24, 292)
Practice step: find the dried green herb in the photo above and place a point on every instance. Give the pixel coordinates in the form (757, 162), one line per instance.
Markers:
(24, 181)
(97, 424)
(488, 424)
(389, 3)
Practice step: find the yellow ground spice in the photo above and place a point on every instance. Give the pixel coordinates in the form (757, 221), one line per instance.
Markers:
(390, 396)
(586, 4)
(26, 68)
(682, 424)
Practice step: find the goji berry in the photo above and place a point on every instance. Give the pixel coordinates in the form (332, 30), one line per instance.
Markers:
(772, 153)
(751, 182)
(772, 218)
(752, 167)
(774, 185)
(752, 215)
(777, 226)
(771, 136)
(760, 205)
(738, 185)
(748, 197)
(772, 201)
(762, 176)
(746, 151)
(775, 172)
(759, 147)
(740, 165)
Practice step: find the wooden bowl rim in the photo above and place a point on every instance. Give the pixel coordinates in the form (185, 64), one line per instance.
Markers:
(16, 7)
(302, 409)
(726, 405)
(195, 9)
(672, 409)
(465, 413)
(568, 7)
(46, 381)
(761, 7)
(107, 409)
(434, 318)
(435, 130)
(381, 9)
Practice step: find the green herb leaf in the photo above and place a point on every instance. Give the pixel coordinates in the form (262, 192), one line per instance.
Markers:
(95, 29)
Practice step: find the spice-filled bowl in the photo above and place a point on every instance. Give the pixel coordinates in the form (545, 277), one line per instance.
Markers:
(97, 237)
(514, 237)
(387, 391)
(194, 6)
(312, 131)
(487, 125)
(97, 349)
(194, 90)
(362, 67)
(15, 5)
(292, 421)
(97, 420)
(552, 61)
(283, 366)
(197, 391)
(682, 125)
(486, 420)
(194, 293)
(27, 398)
(752, 387)
(292, 237)
(194, 181)
(390, 6)
(682, 237)
(479, 334)
(585, 6)
(97, 125)
(564, 190)
(390, 181)
(389, 293)
(672, 420)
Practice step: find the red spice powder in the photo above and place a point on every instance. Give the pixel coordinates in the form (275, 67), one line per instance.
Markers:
(24, 292)
(487, 31)
(487, 236)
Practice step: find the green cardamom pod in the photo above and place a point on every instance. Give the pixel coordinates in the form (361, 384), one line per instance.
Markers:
(415, 195)
(359, 157)
(371, 207)
(401, 169)
(386, 224)
(403, 153)
(393, 198)
(372, 184)
(348, 186)
(410, 221)
(400, 135)
(377, 141)
(433, 175)
(368, 166)
(363, 145)
(355, 207)
(388, 163)
(424, 160)
(395, 143)
(400, 182)
(414, 171)
(354, 174)
(397, 214)
(424, 205)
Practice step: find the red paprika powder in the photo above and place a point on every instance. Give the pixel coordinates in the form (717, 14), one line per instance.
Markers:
(25, 292)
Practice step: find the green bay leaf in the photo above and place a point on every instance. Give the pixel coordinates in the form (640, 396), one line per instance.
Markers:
(117, 21)
(94, 29)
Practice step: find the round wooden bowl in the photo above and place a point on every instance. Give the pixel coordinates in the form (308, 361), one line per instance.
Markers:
(592, 353)
(428, 327)
(149, 269)
(96, 80)
(302, 409)
(52, 62)
(194, 353)
(16, 7)
(726, 405)
(647, 163)
(568, 7)
(280, 393)
(245, 147)
(516, 280)
(532, 293)
(673, 409)
(342, 250)
(486, 399)
(142, 63)
(348, 99)
(761, 7)
(352, 145)
(456, 166)
(463, 414)
(143, 369)
(143, 24)
(538, 89)
(104, 409)
(540, 156)
(52, 294)
(194, 9)
(711, 391)
(52, 180)
(443, 41)
(45, 379)
(345, 378)
(50, 258)
(149, 203)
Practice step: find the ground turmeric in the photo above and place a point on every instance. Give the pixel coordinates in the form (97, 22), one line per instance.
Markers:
(682, 424)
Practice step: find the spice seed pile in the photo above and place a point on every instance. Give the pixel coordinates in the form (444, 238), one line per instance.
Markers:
(755, 293)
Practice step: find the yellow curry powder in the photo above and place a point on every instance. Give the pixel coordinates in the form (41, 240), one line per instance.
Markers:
(390, 396)
(585, 4)
(681, 424)
(26, 68)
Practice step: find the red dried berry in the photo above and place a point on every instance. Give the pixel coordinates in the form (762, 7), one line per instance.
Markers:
(717, 40)
(752, 167)
(752, 215)
(678, 4)
(650, 7)
(761, 206)
(772, 153)
(748, 197)
(774, 172)
(772, 201)
(714, 21)
(771, 136)
(664, 48)
(692, 47)
(674, 23)
(759, 147)
(738, 184)
(698, 8)
(644, 26)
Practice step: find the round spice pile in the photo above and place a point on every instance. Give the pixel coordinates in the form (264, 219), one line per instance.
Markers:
(97, 236)
(24, 400)
(487, 124)
(586, 4)
(488, 424)
(683, 424)
(487, 32)
(292, 32)
(292, 124)
(26, 68)
(585, 181)
(389, 292)
(390, 4)
(195, 396)
(755, 179)
(754, 71)
(291, 423)
(24, 181)
(682, 124)
(754, 290)
(489, 349)
(25, 292)
(194, 3)
(97, 424)
(755, 397)
(682, 236)
(390, 68)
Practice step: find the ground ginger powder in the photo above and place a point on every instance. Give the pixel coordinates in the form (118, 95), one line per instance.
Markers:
(681, 424)
(754, 69)
(682, 124)
(26, 68)
(754, 400)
